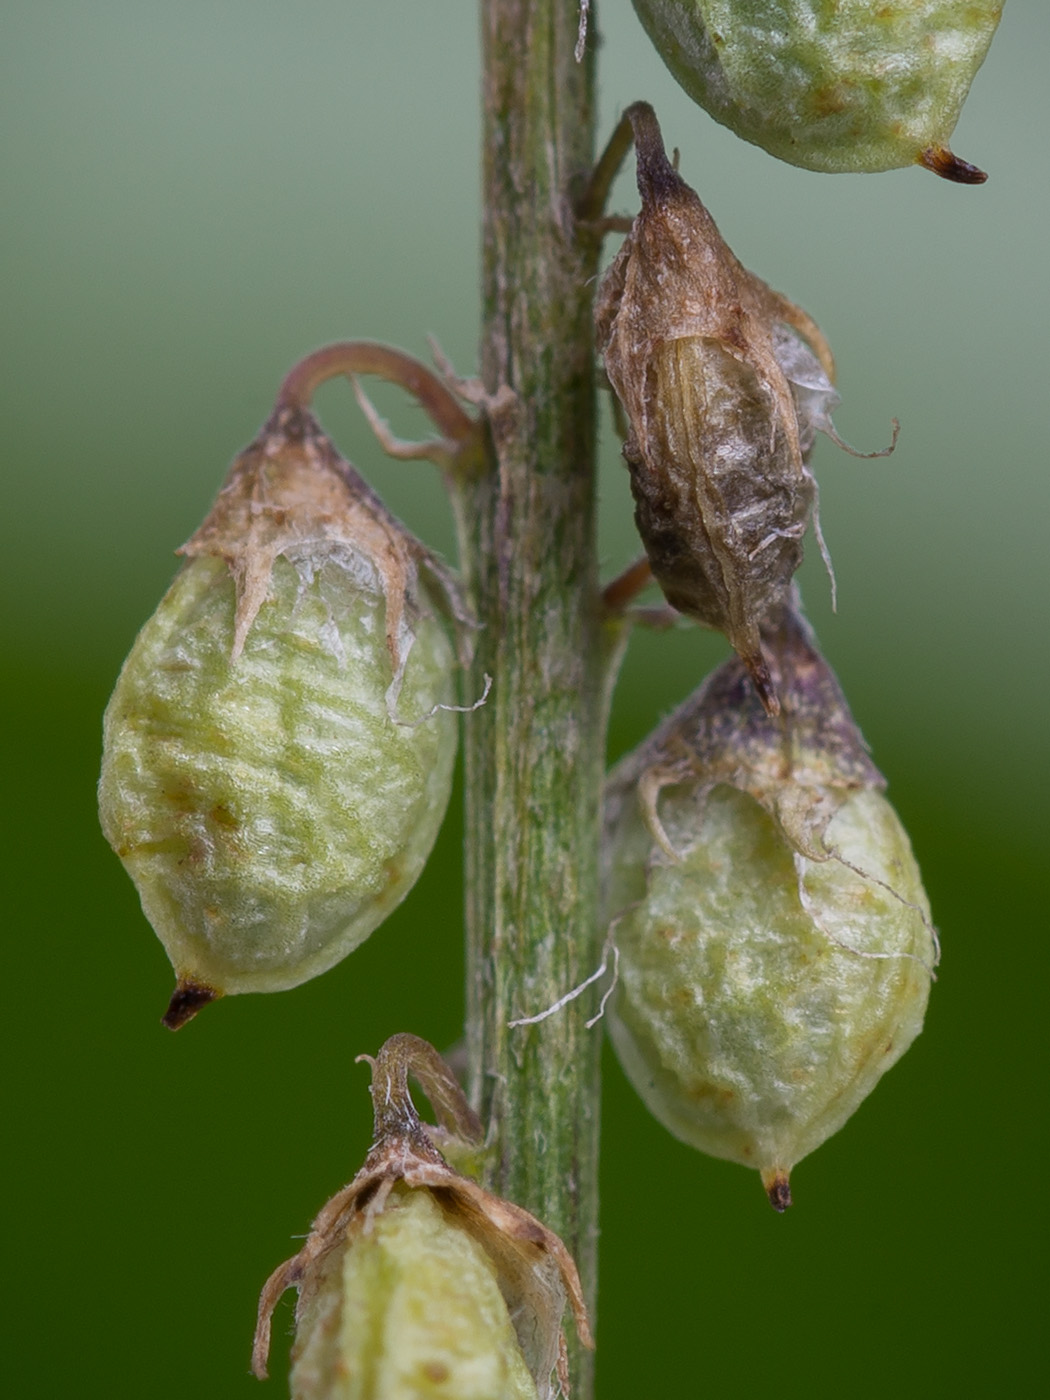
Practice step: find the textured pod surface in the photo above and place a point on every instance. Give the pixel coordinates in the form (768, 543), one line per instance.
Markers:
(775, 945)
(408, 1308)
(270, 810)
(849, 86)
(757, 1006)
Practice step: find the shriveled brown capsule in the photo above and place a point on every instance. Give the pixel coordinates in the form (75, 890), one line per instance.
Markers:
(774, 941)
(724, 383)
(416, 1282)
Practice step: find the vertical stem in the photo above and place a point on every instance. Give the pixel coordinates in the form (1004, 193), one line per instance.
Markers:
(535, 751)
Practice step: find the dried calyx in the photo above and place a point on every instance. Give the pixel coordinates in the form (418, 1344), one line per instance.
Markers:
(279, 747)
(291, 495)
(416, 1281)
(725, 384)
(775, 946)
(800, 767)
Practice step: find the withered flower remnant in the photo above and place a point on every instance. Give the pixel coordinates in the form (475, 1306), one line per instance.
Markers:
(724, 383)
(849, 86)
(775, 947)
(414, 1281)
(277, 756)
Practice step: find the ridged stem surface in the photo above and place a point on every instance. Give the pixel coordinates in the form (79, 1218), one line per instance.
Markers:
(534, 751)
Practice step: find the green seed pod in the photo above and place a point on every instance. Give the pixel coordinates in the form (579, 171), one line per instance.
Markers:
(410, 1308)
(276, 762)
(849, 86)
(775, 948)
(724, 383)
(415, 1283)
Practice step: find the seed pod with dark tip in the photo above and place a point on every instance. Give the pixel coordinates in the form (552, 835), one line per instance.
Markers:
(849, 86)
(775, 947)
(277, 761)
(724, 383)
(416, 1282)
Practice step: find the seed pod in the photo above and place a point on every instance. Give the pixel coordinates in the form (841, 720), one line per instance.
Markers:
(275, 769)
(724, 383)
(850, 86)
(414, 1303)
(775, 948)
(415, 1282)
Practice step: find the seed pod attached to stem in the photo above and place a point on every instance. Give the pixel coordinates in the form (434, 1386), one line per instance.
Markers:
(724, 383)
(279, 749)
(849, 86)
(775, 948)
(414, 1281)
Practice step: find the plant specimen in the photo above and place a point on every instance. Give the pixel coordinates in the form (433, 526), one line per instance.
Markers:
(279, 746)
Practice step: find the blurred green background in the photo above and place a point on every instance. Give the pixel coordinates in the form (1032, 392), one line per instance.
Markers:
(193, 196)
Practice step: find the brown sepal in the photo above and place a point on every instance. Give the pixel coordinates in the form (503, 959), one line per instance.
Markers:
(291, 493)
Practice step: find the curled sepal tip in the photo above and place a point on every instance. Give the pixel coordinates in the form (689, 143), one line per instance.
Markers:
(458, 449)
(394, 1113)
(415, 1276)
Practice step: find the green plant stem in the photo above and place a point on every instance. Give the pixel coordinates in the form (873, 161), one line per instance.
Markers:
(534, 752)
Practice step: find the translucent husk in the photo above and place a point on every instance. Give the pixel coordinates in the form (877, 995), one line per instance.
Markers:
(724, 383)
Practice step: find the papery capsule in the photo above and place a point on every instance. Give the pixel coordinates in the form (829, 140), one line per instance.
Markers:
(775, 947)
(277, 762)
(850, 86)
(415, 1283)
(724, 383)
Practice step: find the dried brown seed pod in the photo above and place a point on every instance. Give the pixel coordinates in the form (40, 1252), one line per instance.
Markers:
(724, 383)
(414, 1280)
